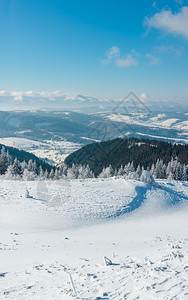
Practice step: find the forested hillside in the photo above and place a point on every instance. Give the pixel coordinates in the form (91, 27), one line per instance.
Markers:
(120, 152)
(24, 156)
(16, 164)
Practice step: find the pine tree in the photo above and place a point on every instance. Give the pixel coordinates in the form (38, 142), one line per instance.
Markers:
(71, 173)
(121, 171)
(46, 174)
(138, 170)
(56, 174)
(17, 169)
(24, 165)
(185, 173)
(9, 173)
(146, 177)
(41, 173)
(106, 172)
(4, 161)
(30, 165)
(51, 175)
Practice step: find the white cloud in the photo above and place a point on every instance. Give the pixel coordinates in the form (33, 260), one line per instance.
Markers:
(153, 60)
(176, 23)
(113, 54)
(126, 62)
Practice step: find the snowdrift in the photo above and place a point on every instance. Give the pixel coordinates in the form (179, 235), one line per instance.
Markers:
(54, 236)
(74, 203)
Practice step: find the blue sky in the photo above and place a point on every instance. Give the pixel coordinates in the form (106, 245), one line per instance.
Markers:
(99, 48)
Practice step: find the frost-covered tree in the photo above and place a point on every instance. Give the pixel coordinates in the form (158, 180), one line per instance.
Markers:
(28, 175)
(146, 177)
(24, 165)
(30, 165)
(71, 173)
(9, 173)
(158, 169)
(51, 175)
(41, 173)
(170, 176)
(120, 172)
(85, 172)
(63, 170)
(46, 174)
(152, 169)
(56, 175)
(17, 169)
(185, 173)
(138, 170)
(106, 172)
(4, 161)
(133, 176)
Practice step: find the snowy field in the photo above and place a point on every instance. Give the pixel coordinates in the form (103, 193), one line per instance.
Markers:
(53, 243)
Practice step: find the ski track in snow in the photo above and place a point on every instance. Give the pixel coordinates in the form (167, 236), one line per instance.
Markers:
(55, 249)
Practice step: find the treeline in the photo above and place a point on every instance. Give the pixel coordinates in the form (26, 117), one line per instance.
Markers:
(22, 155)
(120, 152)
(159, 170)
(173, 170)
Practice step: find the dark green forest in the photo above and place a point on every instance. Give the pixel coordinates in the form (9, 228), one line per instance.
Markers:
(119, 152)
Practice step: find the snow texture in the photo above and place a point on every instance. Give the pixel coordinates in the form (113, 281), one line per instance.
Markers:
(53, 243)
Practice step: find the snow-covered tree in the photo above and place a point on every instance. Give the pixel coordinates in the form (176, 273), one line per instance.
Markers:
(185, 173)
(146, 177)
(133, 176)
(41, 173)
(28, 175)
(71, 174)
(85, 172)
(17, 169)
(46, 174)
(56, 175)
(51, 175)
(106, 172)
(9, 173)
(4, 160)
(138, 170)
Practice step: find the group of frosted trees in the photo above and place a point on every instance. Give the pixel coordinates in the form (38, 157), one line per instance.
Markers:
(14, 169)
(173, 170)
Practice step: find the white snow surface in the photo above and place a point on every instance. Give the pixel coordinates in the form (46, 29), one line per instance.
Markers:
(53, 242)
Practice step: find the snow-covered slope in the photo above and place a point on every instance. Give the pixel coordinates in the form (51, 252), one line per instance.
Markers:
(52, 245)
